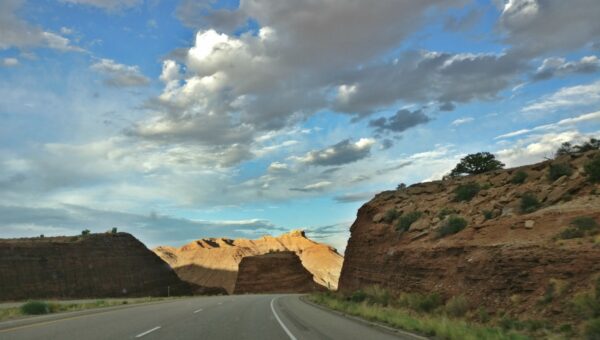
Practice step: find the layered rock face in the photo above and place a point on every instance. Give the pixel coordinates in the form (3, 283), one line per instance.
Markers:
(280, 272)
(214, 262)
(502, 256)
(97, 265)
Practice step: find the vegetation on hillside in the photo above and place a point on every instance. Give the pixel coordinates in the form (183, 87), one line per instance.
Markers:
(477, 163)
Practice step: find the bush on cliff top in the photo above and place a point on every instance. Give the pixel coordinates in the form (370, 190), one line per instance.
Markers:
(477, 163)
(592, 169)
(453, 225)
(466, 192)
(519, 177)
(529, 203)
(558, 170)
(407, 220)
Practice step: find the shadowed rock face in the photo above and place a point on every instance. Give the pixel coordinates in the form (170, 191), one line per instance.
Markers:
(497, 259)
(280, 272)
(97, 265)
(214, 262)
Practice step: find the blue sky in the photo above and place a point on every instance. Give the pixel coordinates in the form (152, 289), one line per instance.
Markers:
(177, 120)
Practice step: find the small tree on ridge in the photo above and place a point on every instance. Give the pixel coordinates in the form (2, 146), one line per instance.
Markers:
(476, 163)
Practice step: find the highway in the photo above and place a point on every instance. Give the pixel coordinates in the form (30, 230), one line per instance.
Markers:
(271, 317)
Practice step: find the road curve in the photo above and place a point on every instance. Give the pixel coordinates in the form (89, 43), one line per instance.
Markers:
(271, 317)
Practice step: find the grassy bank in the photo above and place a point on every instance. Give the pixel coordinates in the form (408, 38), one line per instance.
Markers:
(423, 314)
(49, 307)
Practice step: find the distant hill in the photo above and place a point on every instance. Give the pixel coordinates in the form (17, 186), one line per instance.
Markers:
(214, 261)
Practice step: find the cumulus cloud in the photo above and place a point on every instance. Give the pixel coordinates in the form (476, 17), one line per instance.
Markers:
(535, 148)
(528, 23)
(119, 75)
(558, 67)
(109, 5)
(401, 121)
(20, 34)
(567, 97)
(343, 152)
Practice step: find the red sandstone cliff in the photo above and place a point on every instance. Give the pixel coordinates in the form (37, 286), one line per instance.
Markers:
(502, 256)
(280, 272)
(214, 262)
(97, 265)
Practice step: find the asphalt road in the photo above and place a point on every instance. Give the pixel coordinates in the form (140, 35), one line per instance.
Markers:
(269, 317)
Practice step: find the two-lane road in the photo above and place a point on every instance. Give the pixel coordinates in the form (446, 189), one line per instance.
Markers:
(274, 317)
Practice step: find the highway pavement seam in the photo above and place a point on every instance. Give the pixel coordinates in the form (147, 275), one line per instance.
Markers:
(287, 331)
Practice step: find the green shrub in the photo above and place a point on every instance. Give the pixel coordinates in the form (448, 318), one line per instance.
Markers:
(457, 306)
(571, 233)
(556, 171)
(358, 296)
(519, 177)
(592, 169)
(420, 302)
(587, 304)
(391, 215)
(452, 226)
(585, 223)
(580, 227)
(488, 214)
(113, 231)
(529, 203)
(592, 329)
(35, 308)
(407, 220)
(85, 232)
(466, 192)
(377, 295)
(483, 315)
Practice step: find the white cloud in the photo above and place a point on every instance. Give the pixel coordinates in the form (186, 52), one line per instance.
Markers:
(567, 122)
(119, 75)
(343, 152)
(568, 97)
(9, 62)
(20, 34)
(462, 121)
(557, 67)
(109, 5)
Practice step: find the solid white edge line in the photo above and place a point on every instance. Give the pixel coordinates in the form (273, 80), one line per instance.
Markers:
(198, 311)
(147, 332)
(287, 331)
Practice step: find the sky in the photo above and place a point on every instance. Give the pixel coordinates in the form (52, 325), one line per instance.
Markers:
(180, 120)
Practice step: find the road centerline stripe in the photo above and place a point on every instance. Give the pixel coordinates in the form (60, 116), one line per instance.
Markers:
(147, 332)
(287, 331)
(198, 311)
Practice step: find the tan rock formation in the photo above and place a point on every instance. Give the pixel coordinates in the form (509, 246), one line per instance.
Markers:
(279, 272)
(214, 262)
(503, 254)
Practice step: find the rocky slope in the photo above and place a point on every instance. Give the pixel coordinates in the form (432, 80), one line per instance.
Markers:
(97, 265)
(214, 262)
(505, 258)
(279, 272)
